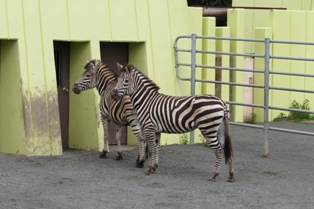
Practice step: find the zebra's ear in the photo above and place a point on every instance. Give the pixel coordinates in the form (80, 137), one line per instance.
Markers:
(120, 67)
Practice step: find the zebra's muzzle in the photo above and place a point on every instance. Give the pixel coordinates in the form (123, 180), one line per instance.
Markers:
(76, 89)
(115, 95)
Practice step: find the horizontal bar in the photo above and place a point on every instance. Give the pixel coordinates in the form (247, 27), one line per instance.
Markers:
(184, 79)
(292, 74)
(229, 83)
(290, 109)
(247, 125)
(230, 68)
(184, 64)
(291, 58)
(291, 131)
(183, 50)
(249, 70)
(289, 89)
(231, 39)
(291, 42)
(230, 53)
(272, 128)
(245, 104)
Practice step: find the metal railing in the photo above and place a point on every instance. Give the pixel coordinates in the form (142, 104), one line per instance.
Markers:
(267, 56)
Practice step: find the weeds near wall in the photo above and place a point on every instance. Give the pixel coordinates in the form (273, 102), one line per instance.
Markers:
(184, 139)
(297, 116)
(252, 119)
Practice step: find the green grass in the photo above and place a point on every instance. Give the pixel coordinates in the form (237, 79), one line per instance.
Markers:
(296, 116)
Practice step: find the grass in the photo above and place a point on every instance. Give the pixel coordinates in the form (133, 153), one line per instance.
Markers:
(296, 116)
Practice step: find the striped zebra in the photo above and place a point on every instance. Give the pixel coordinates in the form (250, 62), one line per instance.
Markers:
(159, 113)
(121, 112)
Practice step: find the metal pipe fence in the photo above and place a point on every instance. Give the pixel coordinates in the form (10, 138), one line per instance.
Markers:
(267, 71)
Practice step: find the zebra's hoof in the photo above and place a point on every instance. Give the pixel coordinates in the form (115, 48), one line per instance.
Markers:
(230, 179)
(140, 163)
(155, 167)
(213, 178)
(119, 157)
(150, 170)
(103, 154)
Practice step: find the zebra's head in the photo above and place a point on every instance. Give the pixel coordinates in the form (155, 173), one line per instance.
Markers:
(125, 84)
(88, 80)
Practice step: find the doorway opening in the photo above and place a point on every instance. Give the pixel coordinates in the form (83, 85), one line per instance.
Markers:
(12, 125)
(111, 53)
(62, 67)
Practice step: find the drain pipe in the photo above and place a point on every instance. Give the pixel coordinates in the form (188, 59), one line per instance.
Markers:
(215, 11)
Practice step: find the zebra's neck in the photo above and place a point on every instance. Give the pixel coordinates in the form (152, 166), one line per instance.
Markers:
(144, 91)
(105, 76)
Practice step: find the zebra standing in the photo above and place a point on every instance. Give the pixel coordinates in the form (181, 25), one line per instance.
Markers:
(121, 112)
(159, 113)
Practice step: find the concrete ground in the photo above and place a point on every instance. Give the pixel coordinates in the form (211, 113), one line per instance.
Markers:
(79, 179)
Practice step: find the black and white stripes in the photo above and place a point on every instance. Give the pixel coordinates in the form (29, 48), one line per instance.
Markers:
(158, 113)
(119, 111)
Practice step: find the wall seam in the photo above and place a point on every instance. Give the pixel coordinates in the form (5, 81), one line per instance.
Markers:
(7, 14)
(28, 85)
(109, 14)
(171, 46)
(68, 19)
(137, 30)
(151, 42)
(45, 74)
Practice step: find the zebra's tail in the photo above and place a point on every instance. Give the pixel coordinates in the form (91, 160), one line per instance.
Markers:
(227, 145)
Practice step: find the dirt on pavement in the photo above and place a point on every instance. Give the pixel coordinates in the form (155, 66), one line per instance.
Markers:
(79, 179)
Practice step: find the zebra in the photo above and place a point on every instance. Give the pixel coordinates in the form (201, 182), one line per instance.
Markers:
(159, 113)
(121, 112)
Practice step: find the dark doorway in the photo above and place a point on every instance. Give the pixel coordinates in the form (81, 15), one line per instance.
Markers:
(62, 64)
(111, 53)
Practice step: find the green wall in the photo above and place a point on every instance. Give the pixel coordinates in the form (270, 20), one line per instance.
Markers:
(36, 24)
(28, 29)
(11, 111)
(289, 4)
(288, 25)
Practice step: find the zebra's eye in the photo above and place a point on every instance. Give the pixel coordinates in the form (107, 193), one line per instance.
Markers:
(88, 75)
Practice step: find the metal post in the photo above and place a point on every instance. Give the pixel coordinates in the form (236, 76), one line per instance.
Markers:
(266, 96)
(193, 77)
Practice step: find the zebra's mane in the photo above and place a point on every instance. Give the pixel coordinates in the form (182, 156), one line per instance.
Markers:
(99, 65)
(152, 85)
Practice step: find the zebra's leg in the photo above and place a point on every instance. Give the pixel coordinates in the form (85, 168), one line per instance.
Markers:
(151, 152)
(156, 150)
(141, 146)
(216, 146)
(131, 117)
(136, 128)
(231, 170)
(218, 153)
(105, 123)
(118, 138)
(140, 158)
(225, 141)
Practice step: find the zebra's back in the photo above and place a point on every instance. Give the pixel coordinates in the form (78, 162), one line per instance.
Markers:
(171, 114)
